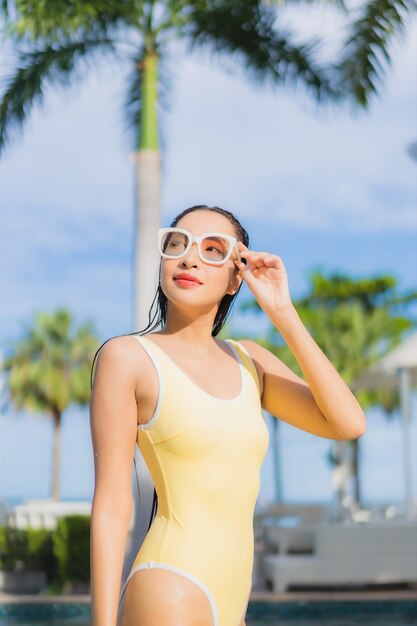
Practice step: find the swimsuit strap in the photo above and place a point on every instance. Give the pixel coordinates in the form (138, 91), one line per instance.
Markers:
(247, 360)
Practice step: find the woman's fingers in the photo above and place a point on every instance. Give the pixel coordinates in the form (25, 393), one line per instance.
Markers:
(258, 259)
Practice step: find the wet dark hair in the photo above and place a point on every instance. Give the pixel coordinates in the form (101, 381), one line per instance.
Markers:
(158, 317)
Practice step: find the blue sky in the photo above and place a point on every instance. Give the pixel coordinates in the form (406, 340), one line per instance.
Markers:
(322, 188)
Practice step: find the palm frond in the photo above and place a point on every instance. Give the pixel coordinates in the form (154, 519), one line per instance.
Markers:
(365, 53)
(340, 4)
(246, 32)
(61, 19)
(132, 104)
(4, 7)
(53, 64)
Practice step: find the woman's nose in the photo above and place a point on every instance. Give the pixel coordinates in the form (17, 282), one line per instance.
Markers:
(192, 254)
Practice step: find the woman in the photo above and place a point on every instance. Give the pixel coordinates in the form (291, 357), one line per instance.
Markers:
(194, 405)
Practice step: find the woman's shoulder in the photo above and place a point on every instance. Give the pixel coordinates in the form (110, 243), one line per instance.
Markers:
(122, 357)
(121, 352)
(248, 345)
(259, 353)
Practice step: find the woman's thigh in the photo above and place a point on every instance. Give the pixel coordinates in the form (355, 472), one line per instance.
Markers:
(159, 596)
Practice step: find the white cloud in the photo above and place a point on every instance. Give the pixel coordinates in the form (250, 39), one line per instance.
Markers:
(228, 140)
(256, 149)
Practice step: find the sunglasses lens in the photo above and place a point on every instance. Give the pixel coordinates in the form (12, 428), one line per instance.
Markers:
(173, 243)
(213, 248)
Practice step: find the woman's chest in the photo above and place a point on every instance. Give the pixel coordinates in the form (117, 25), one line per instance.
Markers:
(223, 383)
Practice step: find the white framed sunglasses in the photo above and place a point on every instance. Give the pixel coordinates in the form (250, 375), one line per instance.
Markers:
(213, 247)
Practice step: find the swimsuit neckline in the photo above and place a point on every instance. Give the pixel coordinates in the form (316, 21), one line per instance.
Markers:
(237, 358)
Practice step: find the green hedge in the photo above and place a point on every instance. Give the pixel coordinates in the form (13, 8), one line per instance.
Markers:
(72, 548)
(63, 554)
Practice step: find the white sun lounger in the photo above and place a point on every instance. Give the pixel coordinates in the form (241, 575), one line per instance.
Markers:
(352, 554)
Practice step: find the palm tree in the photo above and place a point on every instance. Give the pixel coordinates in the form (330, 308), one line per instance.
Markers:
(48, 369)
(367, 47)
(52, 39)
(355, 322)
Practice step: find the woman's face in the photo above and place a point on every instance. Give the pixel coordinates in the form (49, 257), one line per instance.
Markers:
(215, 280)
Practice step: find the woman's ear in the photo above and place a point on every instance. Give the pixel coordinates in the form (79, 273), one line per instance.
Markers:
(235, 281)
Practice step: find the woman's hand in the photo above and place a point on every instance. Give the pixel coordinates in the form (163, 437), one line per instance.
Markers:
(267, 279)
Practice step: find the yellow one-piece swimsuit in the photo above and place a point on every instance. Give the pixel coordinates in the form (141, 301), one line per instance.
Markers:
(204, 455)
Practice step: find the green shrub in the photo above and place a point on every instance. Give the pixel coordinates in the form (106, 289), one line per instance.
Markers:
(14, 548)
(63, 554)
(31, 548)
(2, 546)
(41, 552)
(71, 541)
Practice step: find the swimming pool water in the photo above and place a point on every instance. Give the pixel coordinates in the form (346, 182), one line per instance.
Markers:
(260, 613)
(334, 613)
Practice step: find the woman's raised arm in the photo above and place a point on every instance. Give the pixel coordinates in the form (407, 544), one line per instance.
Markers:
(113, 423)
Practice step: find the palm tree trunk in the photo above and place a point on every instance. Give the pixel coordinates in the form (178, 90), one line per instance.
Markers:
(56, 454)
(148, 198)
(146, 262)
(340, 477)
(355, 472)
(276, 453)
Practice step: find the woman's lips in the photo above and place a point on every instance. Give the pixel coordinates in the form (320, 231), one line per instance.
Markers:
(186, 283)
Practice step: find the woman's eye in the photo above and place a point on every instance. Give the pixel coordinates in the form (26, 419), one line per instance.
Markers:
(219, 250)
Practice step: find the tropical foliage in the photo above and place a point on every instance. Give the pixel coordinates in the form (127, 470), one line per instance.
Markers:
(355, 322)
(49, 370)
